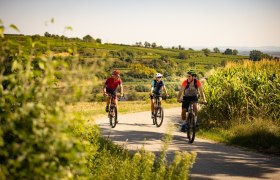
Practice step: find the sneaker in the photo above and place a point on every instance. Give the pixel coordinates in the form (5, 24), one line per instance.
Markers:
(184, 127)
(107, 109)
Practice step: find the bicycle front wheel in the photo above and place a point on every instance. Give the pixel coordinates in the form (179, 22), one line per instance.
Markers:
(191, 128)
(113, 117)
(159, 116)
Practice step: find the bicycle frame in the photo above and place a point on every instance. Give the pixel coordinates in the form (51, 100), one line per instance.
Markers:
(157, 102)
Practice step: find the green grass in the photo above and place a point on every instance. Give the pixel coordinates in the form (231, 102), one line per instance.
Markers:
(94, 110)
(259, 135)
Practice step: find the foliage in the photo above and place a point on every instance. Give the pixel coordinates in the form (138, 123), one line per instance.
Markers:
(142, 88)
(206, 51)
(261, 134)
(255, 55)
(244, 90)
(88, 38)
(228, 51)
(33, 138)
(39, 139)
(216, 50)
(141, 71)
(182, 55)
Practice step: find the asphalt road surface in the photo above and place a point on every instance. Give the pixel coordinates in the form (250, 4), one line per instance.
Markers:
(214, 160)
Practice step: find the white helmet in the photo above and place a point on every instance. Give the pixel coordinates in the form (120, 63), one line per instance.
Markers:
(158, 75)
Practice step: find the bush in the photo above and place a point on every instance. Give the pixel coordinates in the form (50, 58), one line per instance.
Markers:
(141, 88)
(33, 140)
(133, 96)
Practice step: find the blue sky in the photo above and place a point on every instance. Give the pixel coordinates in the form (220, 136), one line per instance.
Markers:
(189, 23)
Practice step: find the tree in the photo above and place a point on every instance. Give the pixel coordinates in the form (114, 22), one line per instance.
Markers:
(216, 50)
(154, 45)
(47, 34)
(266, 56)
(88, 38)
(98, 40)
(138, 44)
(228, 51)
(256, 55)
(234, 52)
(146, 44)
(206, 51)
(180, 47)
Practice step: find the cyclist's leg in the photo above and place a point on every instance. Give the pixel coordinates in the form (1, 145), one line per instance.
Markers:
(160, 99)
(183, 114)
(108, 98)
(185, 105)
(152, 105)
(116, 101)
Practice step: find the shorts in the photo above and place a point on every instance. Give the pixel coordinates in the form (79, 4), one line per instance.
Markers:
(111, 92)
(153, 96)
(187, 100)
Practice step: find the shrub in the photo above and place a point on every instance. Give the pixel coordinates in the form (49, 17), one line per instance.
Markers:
(141, 88)
(33, 141)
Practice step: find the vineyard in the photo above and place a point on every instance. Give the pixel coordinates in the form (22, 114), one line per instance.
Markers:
(40, 77)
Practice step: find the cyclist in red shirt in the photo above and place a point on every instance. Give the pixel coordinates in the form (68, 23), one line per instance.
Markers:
(110, 87)
(190, 88)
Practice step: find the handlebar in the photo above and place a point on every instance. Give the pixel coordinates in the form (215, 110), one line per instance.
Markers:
(120, 98)
(199, 102)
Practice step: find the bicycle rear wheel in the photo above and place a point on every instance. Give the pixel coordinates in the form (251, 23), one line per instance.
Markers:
(191, 128)
(113, 117)
(159, 116)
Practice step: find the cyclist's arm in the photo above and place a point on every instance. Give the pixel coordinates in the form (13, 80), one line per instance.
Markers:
(152, 89)
(121, 87)
(202, 93)
(180, 94)
(104, 89)
(165, 89)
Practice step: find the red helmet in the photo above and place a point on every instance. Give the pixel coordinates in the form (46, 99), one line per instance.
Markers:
(116, 72)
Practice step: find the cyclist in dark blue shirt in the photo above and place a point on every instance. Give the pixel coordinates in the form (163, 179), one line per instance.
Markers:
(156, 89)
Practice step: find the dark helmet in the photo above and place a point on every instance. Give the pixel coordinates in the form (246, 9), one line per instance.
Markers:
(191, 72)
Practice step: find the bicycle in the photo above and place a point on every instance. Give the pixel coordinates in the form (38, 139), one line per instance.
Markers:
(191, 123)
(158, 112)
(113, 111)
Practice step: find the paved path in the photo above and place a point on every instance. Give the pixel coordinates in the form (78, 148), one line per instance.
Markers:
(214, 160)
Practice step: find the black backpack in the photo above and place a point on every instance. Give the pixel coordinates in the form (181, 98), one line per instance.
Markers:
(195, 84)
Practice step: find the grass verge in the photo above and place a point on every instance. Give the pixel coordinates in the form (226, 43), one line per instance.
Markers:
(259, 135)
(97, 109)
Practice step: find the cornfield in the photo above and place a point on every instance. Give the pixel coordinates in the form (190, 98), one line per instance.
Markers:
(244, 91)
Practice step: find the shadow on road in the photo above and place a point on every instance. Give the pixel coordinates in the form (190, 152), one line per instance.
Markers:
(214, 160)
